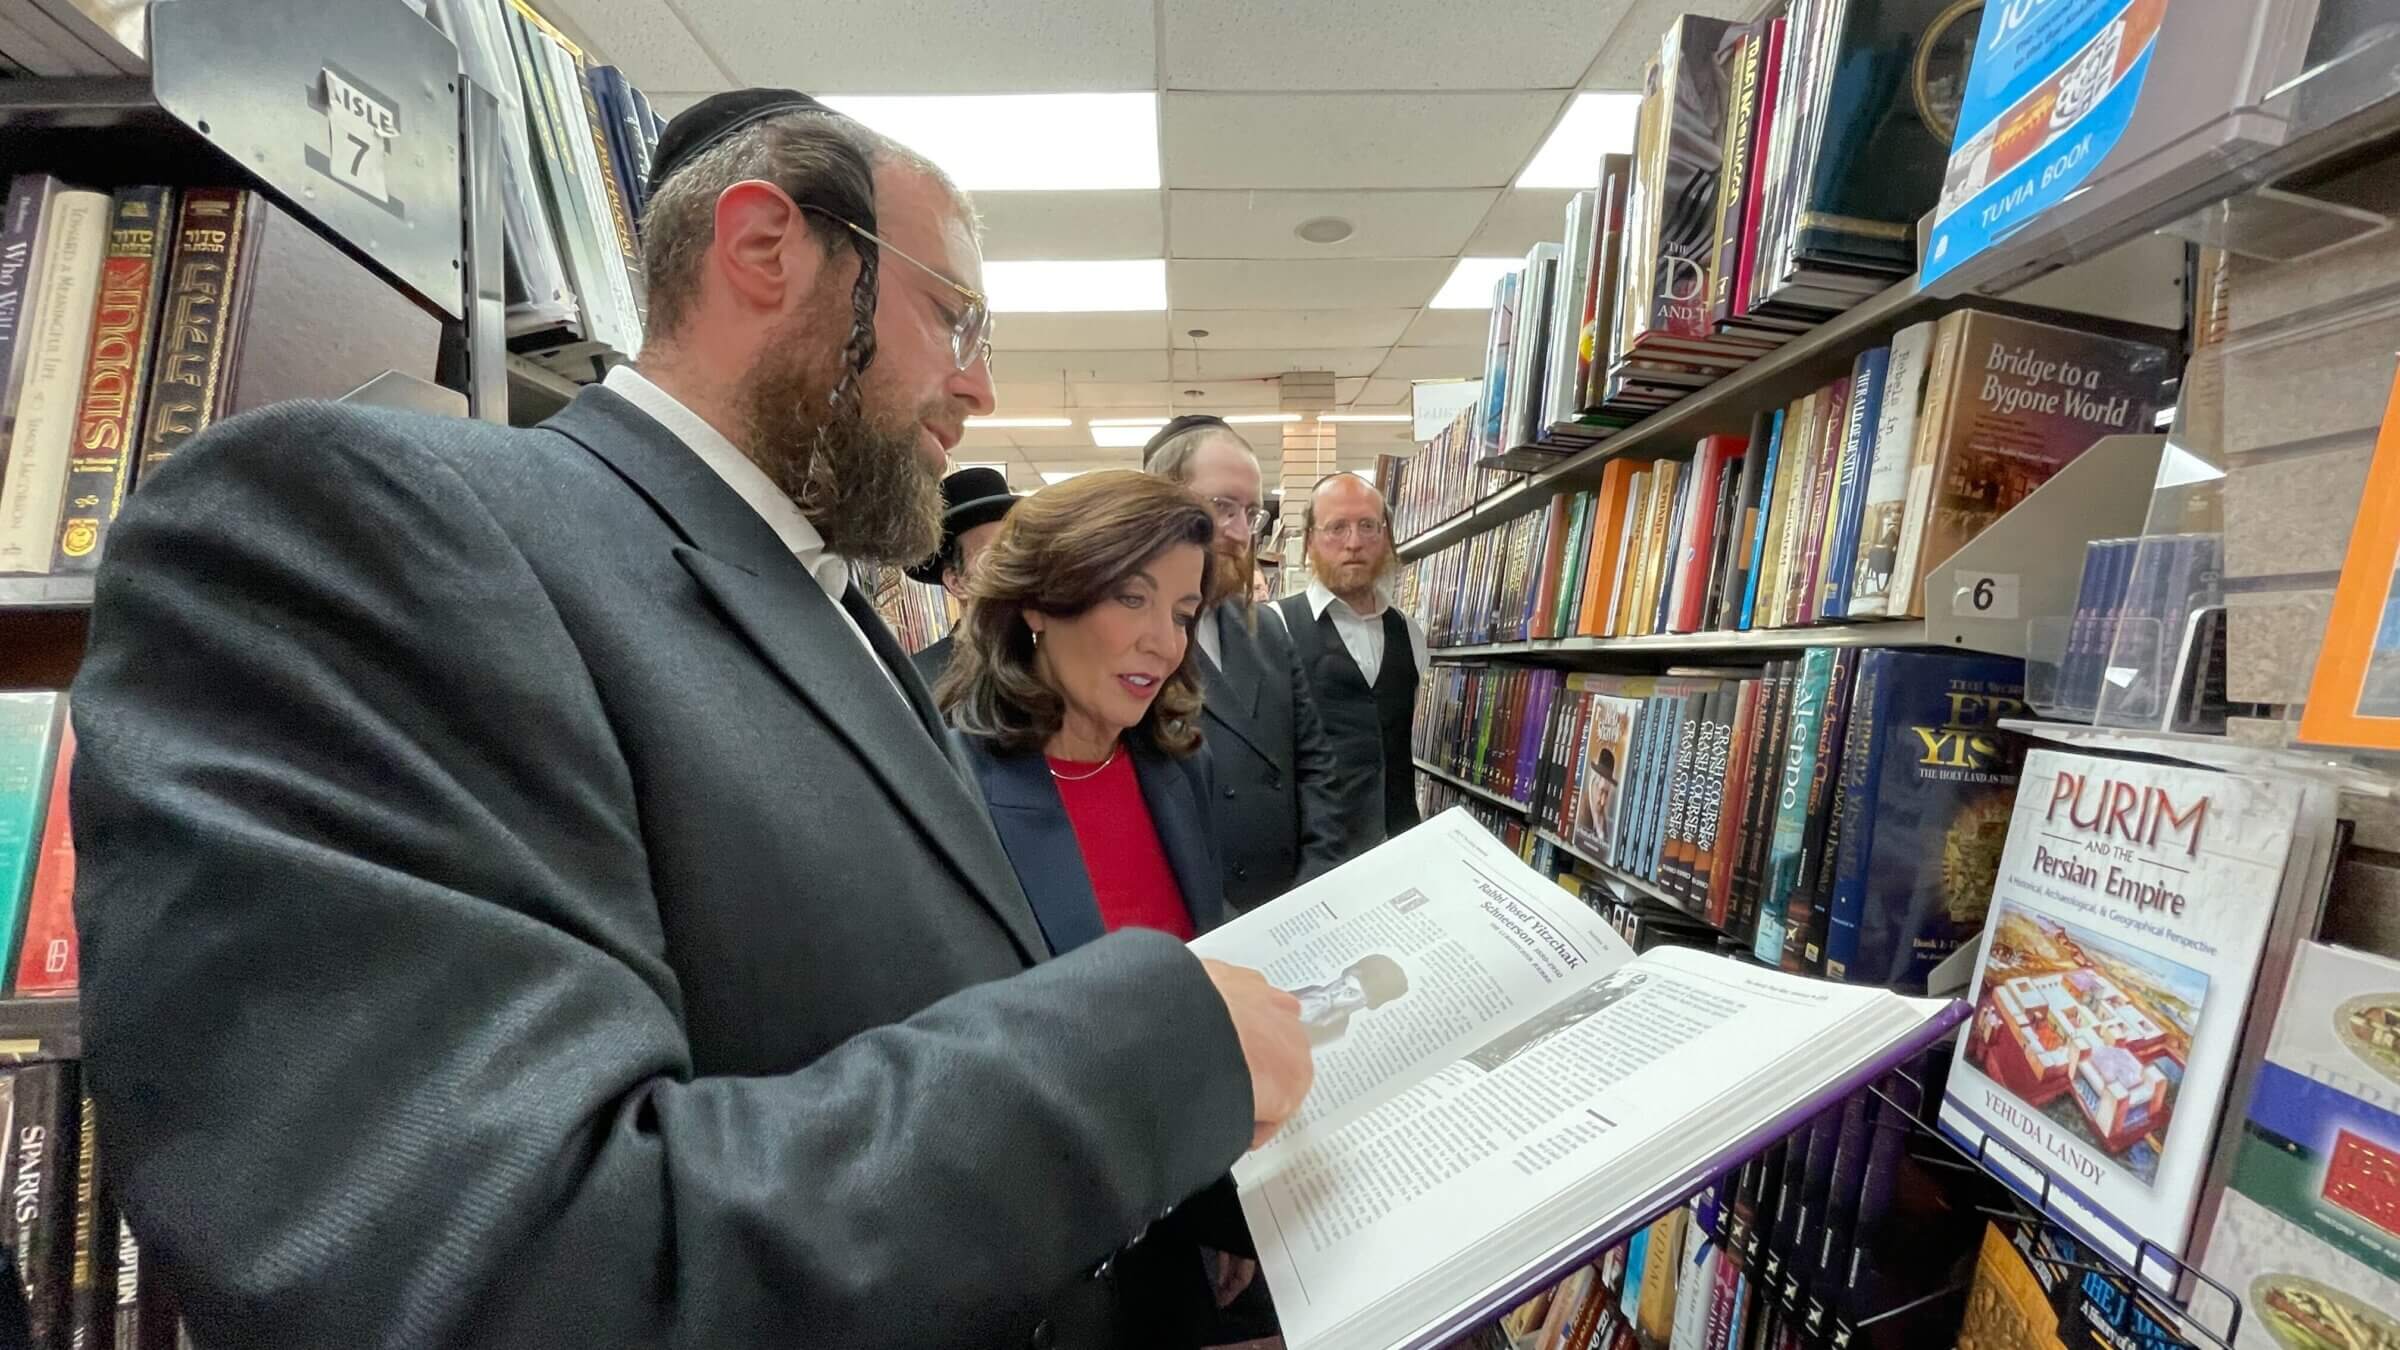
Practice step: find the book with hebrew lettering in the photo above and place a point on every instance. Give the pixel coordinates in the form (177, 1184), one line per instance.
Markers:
(1504, 1089)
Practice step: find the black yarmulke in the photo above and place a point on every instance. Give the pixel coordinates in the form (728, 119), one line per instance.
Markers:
(716, 117)
(1177, 427)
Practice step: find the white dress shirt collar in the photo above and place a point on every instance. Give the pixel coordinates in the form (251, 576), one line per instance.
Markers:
(748, 481)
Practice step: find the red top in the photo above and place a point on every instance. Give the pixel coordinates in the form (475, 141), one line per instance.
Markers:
(1121, 852)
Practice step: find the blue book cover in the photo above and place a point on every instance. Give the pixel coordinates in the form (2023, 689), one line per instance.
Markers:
(1632, 774)
(1915, 877)
(28, 734)
(1793, 778)
(1858, 454)
(1758, 518)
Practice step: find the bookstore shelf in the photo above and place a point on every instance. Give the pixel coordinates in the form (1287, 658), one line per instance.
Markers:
(45, 592)
(1463, 785)
(1727, 406)
(198, 118)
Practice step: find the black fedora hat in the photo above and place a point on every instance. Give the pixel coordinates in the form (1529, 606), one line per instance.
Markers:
(973, 496)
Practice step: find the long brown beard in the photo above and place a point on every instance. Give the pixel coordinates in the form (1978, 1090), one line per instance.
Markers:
(1229, 581)
(853, 473)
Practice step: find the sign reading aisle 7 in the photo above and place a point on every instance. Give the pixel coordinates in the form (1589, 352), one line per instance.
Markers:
(358, 136)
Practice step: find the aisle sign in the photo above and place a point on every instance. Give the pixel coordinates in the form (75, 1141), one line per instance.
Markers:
(358, 136)
(2052, 88)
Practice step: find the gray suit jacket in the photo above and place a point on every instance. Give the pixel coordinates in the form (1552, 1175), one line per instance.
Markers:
(517, 914)
(1287, 809)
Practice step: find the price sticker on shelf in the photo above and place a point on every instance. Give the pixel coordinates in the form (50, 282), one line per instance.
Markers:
(359, 128)
(1985, 595)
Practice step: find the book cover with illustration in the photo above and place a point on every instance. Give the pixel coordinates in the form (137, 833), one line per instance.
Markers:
(2008, 403)
(2321, 1138)
(1607, 756)
(1672, 205)
(2297, 1293)
(2129, 915)
(1930, 781)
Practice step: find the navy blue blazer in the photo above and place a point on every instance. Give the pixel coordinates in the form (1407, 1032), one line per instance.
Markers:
(1040, 840)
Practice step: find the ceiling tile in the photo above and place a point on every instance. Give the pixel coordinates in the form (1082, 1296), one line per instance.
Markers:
(1147, 396)
(1524, 217)
(1318, 141)
(1431, 363)
(932, 46)
(1390, 44)
(1079, 332)
(1382, 395)
(1071, 225)
(1257, 224)
(1263, 363)
(1225, 394)
(1334, 283)
(1637, 36)
(1448, 328)
(1013, 367)
(644, 38)
(1232, 328)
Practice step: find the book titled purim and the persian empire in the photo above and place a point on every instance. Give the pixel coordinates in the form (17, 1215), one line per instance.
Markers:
(2129, 921)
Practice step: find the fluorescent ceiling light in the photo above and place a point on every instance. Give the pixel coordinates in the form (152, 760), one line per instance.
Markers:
(1124, 438)
(1470, 283)
(1354, 417)
(1595, 125)
(1256, 419)
(1060, 287)
(1023, 142)
(1127, 422)
(1049, 478)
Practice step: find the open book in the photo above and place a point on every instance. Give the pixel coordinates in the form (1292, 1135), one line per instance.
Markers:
(1504, 1088)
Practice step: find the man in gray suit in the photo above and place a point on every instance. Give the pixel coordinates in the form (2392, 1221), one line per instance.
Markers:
(528, 898)
(1288, 808)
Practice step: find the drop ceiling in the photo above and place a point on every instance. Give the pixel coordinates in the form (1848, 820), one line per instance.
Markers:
(1407, 119)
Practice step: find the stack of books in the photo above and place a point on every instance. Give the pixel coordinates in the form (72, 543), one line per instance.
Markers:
(1831, 510)
(1481, 724)
(576, 141)
(1441, 479)
(131, 320)
(918, 614)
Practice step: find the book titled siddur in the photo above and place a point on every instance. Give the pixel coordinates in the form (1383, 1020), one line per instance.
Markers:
(1504, 1088)
(2132, 909)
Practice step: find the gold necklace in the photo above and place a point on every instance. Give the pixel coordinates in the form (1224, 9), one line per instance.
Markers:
(1080, 777)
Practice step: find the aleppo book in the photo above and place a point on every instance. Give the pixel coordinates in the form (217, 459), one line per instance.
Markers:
(1504, 1088)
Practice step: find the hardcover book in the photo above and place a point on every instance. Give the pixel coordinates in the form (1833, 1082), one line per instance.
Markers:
(2296, 1290)
(1451, 1160)
(2130, 914)
(29, 723)
(1886, 477)
(1930, 779)
(2009, 403)
(116, 373)
(62, 285)
(1671, 208)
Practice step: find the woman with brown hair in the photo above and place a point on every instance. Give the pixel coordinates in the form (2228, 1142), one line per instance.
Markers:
(1074, 685)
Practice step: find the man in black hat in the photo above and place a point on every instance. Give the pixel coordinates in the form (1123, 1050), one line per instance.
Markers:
(528, 899)
(974, 500)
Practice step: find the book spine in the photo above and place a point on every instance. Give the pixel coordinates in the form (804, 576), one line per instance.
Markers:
(1858, 453)
(1777, 926)
(57, 334)
(189, 380)
(116, 373)
(1674, 747)
(20, 249)
(1754, 522)
(1814, 875)
(1800, 590)
(1783, 534)
(1878, 542)
(1758, 815)
(1636, 782)
(1838, 1233)
(125, 1321)
(1669, 545)
(1672, 870)
(89, 1289)
(40, 1218)
(1708, 790)
(1933, 432)
(28, 729)
(1733, 791)
(1862, 776)
(1741, 125)
(47, 957)
(1770, 81)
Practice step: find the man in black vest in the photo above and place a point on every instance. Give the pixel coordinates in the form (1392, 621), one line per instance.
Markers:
(1365, 658)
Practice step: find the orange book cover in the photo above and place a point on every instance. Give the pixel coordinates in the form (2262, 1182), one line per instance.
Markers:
(2354, 697)
(46, 961)
(1554, 557)
(1616, 483)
